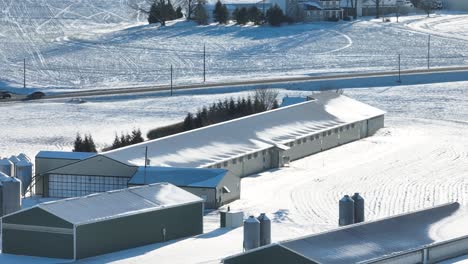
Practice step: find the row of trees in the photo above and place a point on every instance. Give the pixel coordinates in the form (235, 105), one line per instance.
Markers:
(262, 100)
(86, 144)
(161, 11)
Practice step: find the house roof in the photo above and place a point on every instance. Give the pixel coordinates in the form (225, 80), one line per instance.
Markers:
(216, 143)
(374, 240)
(114, 204)
(64, 155)
(183, 177)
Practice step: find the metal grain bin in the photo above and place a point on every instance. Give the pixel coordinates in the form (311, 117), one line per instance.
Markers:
(358, 208)
(265, 229)
(13, 160)
(251, 233)
(23, 171)
(346, 208)
(10, 194)
(6, 166)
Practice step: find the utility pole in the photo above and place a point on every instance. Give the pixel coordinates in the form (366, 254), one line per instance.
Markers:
(399, 68)
(171, 78)
(146, 162)
(204, 63)
(429, 52)
(24, 73)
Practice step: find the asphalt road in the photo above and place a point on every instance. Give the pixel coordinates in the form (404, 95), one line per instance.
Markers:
(146, 89)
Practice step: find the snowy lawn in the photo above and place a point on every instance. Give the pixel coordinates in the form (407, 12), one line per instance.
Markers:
(90, 44)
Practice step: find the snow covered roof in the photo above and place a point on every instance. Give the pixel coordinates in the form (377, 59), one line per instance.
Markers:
(64, 155)
(313, 3)
(6, 178)
(113, 204)
(184, 177)
(360, 243)
(216, 143)
(5, 161)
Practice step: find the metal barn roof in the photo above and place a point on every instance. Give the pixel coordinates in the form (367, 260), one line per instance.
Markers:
(216, 143)
(186, 177)
(113, 204)
(64, 155)
(382, 238)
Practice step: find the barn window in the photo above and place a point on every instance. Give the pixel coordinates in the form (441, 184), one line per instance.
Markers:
(298, 141)
(347, 127)
(218, 165)
(291, 144)
(234, 161)
(264, 152)
(324, 134)
(336, 130)
(312, 138)
(317, 136)
(329, 132)
(255, 154)
(352, 125)
(249, 156)
(241, 159)
(225, 164)
(304, 140)
(341, 129)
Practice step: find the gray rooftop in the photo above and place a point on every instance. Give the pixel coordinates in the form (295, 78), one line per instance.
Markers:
(113, 204)
(64, 155)
(376, 239)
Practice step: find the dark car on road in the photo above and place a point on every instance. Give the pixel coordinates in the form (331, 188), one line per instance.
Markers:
(5, 95)
(35, 95)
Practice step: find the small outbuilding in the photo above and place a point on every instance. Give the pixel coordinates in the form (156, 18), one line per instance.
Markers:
(101, 223)
(214, 186)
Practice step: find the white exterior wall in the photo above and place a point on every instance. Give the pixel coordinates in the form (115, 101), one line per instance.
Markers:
(409, 258)
(329, 139)
(299, 150)
(349, 134)
(207, 194)
(375, 124)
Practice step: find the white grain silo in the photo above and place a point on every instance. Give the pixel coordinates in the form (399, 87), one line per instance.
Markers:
(6, 166)
(24, 171)
(251, 233)
(10, 194)
(13, 159)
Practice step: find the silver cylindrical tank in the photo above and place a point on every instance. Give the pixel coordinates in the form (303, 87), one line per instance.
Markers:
(265, 229)
(10, 194)
(23, 171)
(251, 233)
(6, 166)
(13, 160)
(358, 208)
(23, 156)
(346, 208)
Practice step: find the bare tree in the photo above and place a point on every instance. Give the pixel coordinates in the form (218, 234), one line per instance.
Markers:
(378, 4)
(266, 96)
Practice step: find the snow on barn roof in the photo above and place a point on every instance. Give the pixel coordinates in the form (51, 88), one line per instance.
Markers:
(374, 240)
(113, 204)
(216, 143)
(185, 177)
(64, 155)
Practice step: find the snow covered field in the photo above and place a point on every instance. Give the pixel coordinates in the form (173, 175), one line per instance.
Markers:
(418, 160)
(88, 44)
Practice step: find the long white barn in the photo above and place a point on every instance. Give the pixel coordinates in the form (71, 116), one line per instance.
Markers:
(262, 141)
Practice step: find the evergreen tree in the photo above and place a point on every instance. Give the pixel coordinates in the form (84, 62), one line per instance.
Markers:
(91, 146)
(160, 12)
(188, 122)
(179, 13)
(116, 144)
(78, 145)
(255, 15)
(201, 17)
(275, 16)
(136, 137)
(220, 13)
(171, 13)
(241, 16)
